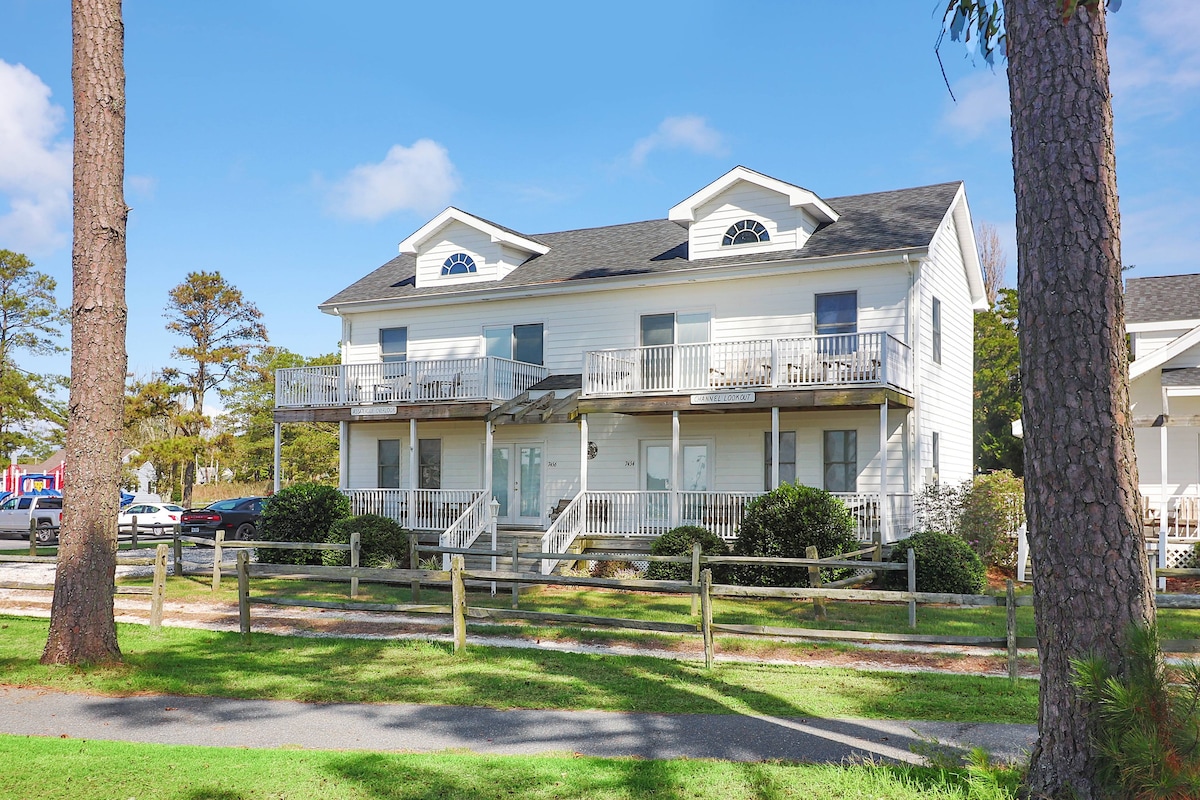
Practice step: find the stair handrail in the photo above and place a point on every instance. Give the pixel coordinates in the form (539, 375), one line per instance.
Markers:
(463, 532)
(559, 537)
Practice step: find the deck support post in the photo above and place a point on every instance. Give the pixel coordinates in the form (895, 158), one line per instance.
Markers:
(675, 470)
(412, 474)
(343, 455)
(775, 446)
(885, 516)
(489, 446)
(583, 452)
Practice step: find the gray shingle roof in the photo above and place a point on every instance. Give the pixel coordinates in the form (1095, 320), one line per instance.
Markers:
(1189, 376)
(903, 218)
(1162, 298)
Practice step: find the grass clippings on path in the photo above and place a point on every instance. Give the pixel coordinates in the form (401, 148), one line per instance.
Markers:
(207, 663)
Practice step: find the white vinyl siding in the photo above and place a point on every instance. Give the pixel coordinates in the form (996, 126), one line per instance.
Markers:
(492, 260)
(946, 390)
(787, 227)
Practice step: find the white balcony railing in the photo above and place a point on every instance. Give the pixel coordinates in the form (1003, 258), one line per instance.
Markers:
(480, 378)
(875, 359)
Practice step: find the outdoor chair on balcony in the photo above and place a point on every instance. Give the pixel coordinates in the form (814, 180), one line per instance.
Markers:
(1187, 518)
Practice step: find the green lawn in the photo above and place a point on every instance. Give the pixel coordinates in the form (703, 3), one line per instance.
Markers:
(95, 770)
(190, 662)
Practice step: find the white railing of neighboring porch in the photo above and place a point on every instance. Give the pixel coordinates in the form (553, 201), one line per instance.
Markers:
(421, 381)
(634, 513)
(466, 529)
(415, 509)
(828, 360)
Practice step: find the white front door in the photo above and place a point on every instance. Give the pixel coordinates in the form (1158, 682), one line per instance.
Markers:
(517, 483)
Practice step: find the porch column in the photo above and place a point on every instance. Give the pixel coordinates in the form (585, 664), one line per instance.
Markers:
(344, 455)
(675, 470)
(885, 512)
(278, 446)
(488, 446)
(1163, 499)
(412, 474)
(775, 447)
(583, 452)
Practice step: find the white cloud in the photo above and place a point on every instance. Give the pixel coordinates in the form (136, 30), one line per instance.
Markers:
(420, 178)
(982, 109)
(688, 132)
(35, 164)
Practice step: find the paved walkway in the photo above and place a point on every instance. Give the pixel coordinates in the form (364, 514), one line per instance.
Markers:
(414, 728)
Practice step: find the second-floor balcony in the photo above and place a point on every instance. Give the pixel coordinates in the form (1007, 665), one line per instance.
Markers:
(484, 378)
(848, 359)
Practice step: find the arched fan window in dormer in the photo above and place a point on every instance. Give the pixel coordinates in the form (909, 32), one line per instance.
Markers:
(748, 231)
(458, 264)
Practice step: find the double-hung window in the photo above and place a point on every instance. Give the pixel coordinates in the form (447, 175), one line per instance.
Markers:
(516, 342)
(388, 463)
(787, 458)
(841, 461)
(937, 331)
(837, 322)
(393, 344)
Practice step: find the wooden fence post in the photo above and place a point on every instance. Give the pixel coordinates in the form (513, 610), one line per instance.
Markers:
(355, 542)
(133, 532)
(217, 555)
(176, 532)
(912, 587)
(516, 585)
(458, 603)
(814, 580)
(695, 577)
(414, 562)
(1011, 602)
(159, 591)
(243, 578)
(33, 537)
(706, 616)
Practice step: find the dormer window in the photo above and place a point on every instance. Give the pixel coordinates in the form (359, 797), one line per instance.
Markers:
(458, 264)
(748, 231)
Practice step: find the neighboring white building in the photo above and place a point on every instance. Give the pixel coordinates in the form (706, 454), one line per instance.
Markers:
(1162, 317)
(628, 378)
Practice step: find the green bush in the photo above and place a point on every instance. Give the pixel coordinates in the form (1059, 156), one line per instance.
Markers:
(782, 524)
(945, 563)
(303, 512)
(993, 507)
(381, 542)
(678, 542)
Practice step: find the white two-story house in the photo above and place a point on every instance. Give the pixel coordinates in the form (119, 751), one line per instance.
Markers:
(624, 379)
(1162, 318)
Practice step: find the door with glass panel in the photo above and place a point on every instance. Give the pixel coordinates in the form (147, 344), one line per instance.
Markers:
(656, 477)
(666, 366)
(517, 483)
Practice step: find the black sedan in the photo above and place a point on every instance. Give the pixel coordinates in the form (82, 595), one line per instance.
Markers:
(237, 517)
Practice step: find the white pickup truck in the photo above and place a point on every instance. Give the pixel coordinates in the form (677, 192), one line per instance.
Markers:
(18, 512)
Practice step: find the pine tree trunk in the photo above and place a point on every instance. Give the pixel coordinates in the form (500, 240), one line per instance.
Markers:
(82, 628)
(1091, 581)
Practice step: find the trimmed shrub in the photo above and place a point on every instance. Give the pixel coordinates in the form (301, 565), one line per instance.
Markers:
(381, 542)
(303, 512)
(782, 524)
(945, 563)
(993, 507)
(678, 542)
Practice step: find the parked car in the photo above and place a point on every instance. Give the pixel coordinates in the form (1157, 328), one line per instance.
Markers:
(149, 515)
(237, 517)
(17, 513)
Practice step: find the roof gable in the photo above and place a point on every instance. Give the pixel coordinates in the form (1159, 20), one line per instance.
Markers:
(798, 197)
(498, 233)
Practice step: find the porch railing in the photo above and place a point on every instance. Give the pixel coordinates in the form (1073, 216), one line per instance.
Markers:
(415, 509)
(877, 359)
(466, 528)
(425, 381)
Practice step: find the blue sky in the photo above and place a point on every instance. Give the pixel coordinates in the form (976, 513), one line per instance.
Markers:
(292, 145)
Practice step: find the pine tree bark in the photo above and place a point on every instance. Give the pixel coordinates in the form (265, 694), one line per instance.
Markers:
(82, 627)
(1091, 581)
